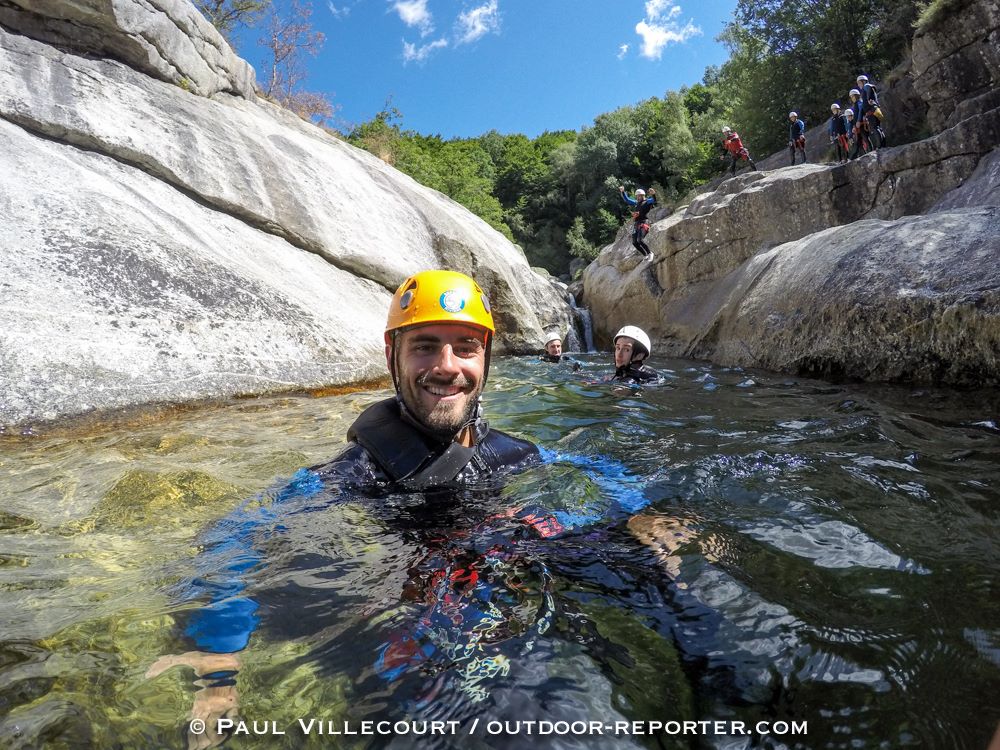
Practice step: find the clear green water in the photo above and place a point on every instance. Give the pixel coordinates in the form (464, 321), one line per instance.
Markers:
(809, 553)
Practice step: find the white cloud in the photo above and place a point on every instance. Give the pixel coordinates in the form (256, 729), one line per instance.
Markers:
(661, 27)
(478, 22)
(414, 13)
(622, 51)
(657, 10)
(338, 12)
(413, 53)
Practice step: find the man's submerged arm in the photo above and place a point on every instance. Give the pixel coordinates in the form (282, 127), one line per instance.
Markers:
(613, 479)
(230, 554)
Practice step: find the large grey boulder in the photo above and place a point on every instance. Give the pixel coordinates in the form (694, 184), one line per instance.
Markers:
(274, 245)
(167, 39)
(119, 290)
(914, 300)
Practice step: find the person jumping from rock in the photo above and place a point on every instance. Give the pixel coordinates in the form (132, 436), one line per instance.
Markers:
(642, 206)
(732, 145)
(838, 133)
(796, 137)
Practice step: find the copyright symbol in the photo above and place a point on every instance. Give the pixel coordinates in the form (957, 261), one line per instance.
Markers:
(197, 726)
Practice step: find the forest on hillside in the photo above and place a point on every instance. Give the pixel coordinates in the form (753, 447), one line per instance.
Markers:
(556, 195)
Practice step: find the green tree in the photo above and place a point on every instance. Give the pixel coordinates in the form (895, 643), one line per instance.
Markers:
(229, 15)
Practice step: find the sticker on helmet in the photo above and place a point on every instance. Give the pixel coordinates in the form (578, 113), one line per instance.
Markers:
(486, 302)
(406, 299)
(453, 301)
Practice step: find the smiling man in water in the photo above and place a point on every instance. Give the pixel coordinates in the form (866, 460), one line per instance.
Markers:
(430, 434)
(438, 338)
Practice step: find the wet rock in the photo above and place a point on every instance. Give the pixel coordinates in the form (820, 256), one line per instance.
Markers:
(914, 300)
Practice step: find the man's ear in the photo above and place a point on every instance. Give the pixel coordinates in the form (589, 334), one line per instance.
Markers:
(388, 351)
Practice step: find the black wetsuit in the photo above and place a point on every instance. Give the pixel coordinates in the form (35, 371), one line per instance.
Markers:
(551, 357)
(636, 372)
(869, 103)
(387, 448)
(838, 130)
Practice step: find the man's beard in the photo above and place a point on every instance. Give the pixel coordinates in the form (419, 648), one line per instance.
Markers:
(444, 420)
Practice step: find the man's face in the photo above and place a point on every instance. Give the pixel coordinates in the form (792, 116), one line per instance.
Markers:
(623, 351)
(439, 368)
(554, 347)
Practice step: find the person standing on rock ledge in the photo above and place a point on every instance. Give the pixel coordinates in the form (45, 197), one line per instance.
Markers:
(871, 113)
(854, 143)
(632, 347)
(642, 206)
(862, 139)
(796, 136)
(838, 133)
(732, 145)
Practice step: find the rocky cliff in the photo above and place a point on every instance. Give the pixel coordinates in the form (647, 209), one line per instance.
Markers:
(168, 235)
(882, 269)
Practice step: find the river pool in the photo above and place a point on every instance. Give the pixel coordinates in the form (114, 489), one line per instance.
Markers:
(756, 549)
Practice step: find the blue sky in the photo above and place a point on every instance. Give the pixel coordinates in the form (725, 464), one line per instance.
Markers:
(459, 68)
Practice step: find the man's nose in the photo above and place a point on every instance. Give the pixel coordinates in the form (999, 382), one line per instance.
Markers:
(447, 362)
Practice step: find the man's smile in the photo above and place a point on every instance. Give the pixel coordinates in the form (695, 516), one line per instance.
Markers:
(442, 391)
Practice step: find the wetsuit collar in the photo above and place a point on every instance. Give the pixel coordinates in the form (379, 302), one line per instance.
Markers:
(477, 424)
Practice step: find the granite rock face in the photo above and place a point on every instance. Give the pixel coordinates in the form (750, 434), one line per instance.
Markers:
(956, 62)
(169, 236)
(166, 39)
(914, 300)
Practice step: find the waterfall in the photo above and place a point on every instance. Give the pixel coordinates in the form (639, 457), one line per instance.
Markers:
(573, 339)
(581, 320)
(583, 316)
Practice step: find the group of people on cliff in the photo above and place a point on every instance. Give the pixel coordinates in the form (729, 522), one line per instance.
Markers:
(857, 129)
(853, 131)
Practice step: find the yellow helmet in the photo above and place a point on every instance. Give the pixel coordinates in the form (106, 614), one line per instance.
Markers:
(439, 297)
